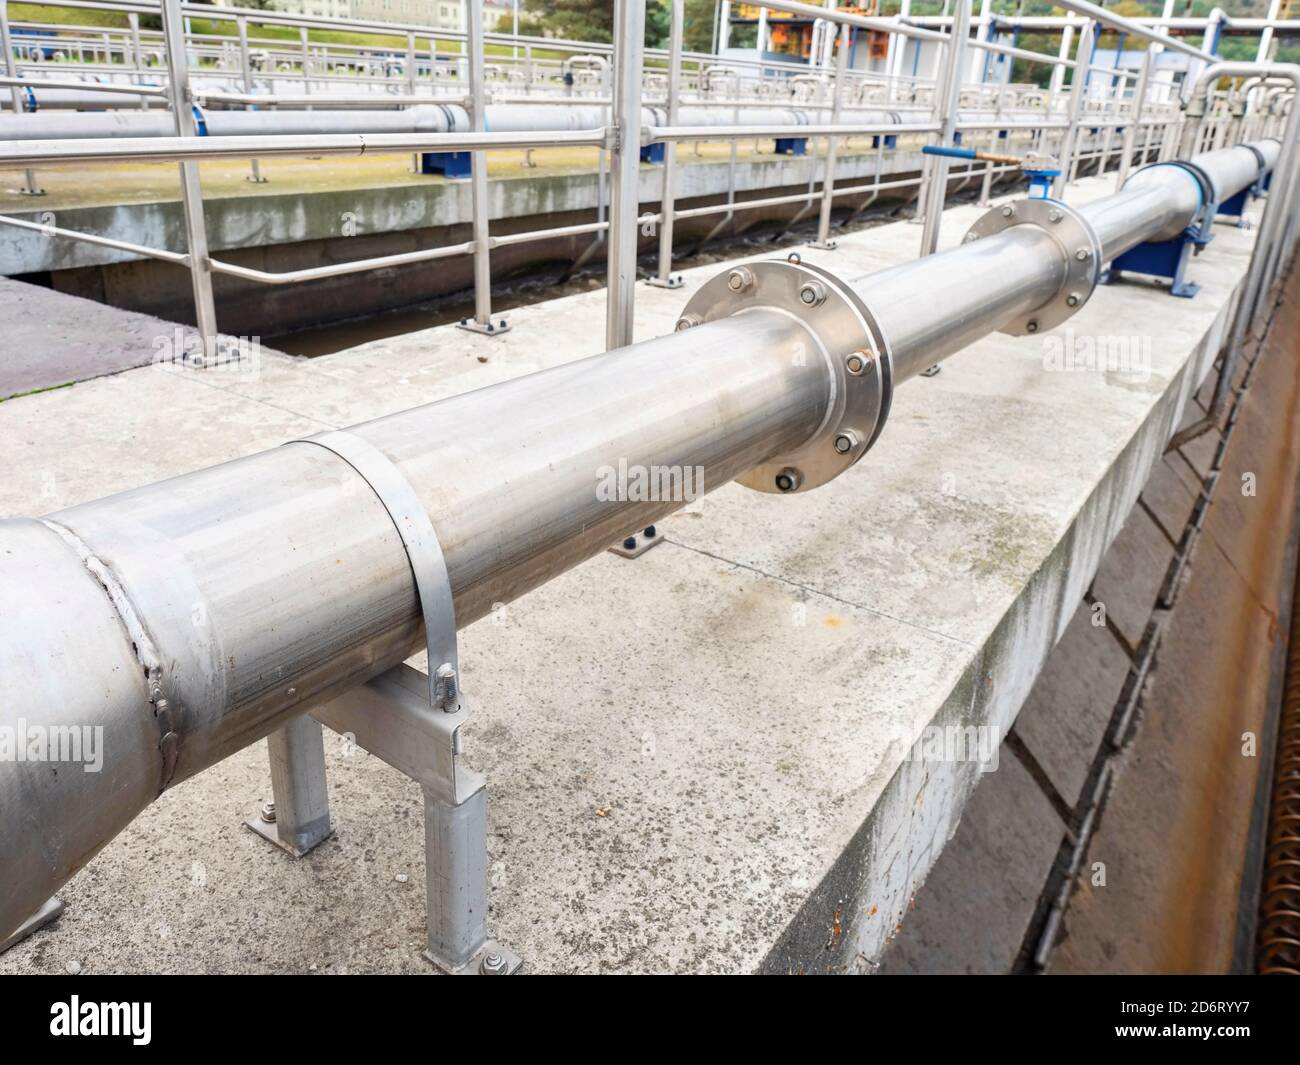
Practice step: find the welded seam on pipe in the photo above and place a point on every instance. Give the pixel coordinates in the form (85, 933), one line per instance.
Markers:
(142, 645)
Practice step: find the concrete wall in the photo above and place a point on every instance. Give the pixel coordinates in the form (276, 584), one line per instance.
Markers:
(283, 232)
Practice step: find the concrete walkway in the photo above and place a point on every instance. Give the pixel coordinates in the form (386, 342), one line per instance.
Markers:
(698, 760)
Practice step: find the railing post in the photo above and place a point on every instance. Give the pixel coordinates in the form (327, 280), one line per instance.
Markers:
(823, 240)
(629, 49)
(30, 188)
(482, 321)
(306, 60)
(137, 54)
(665, 278)
(196, 233)
(246, 71)
(897, 53)
(1135, 119)
(1078, 86)
(410, 85)
(936, 183)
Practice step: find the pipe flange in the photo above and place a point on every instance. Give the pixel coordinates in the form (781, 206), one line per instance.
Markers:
(1079, 246)
(850, 341)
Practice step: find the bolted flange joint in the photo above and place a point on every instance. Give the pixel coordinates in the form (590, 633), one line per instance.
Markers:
(1080, 249)
(849, 341)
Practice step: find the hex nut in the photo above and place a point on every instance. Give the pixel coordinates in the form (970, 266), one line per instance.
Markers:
(847, 441)
(740, 279)
(788, 480)
(812, 294)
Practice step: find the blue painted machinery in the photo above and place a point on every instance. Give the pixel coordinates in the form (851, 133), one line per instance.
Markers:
(1169, 258)
(448, 164)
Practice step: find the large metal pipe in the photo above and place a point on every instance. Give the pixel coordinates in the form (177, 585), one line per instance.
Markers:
(433, 118)
(191, 617)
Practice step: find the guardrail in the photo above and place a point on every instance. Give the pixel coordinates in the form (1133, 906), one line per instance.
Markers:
(1076, 135)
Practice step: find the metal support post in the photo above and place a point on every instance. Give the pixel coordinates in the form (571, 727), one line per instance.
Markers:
(482, 322)
(665, 277)
(305, 51)
(412, 722)
(410, 86)
(298, 817)
(1134, 123)
(30, 187)
(936, 185)
(1078, 86)
(196, 233)
(246, 72)
(629, 49)
(823, 240)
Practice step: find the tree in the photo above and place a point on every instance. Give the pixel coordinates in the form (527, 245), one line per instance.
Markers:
(697, 30)
(576, 20)
(658, 22)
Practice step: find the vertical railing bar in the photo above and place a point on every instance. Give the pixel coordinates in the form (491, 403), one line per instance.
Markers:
(196, 234)
(629, 50)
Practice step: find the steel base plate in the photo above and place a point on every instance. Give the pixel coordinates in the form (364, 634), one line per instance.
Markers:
(641, 543)
(492, 959)
(673, 281)
(1079, 246)
(491, 329)
(266, 829)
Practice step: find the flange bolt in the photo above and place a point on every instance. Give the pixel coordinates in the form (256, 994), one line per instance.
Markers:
(788, 479)
(847, 441)
(740, 279)
(493, 964)
(812, 294)
(448, 688)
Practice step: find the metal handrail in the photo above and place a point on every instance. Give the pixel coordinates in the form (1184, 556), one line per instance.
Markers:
(187, 149)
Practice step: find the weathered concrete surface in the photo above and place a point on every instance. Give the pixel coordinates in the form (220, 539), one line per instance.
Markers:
(972, 913)
(53, 339)
(656, 802)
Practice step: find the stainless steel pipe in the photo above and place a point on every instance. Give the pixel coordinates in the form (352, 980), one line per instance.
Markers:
(189, 618)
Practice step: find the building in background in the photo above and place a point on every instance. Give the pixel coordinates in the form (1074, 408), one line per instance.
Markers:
(436, 14)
